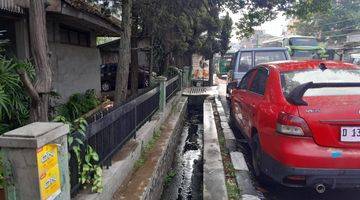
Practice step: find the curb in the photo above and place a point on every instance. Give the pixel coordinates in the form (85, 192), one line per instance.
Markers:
(243, 175)
(214, 177)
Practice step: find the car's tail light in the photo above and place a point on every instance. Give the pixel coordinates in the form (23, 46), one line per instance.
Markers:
(292, 125)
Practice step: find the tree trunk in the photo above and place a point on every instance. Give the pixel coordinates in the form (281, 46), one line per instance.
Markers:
(134, 67)
(39, 50)
(122, 75)
(167, 50)
(211, 71)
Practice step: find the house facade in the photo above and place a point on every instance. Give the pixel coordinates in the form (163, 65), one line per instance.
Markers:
(72, 29)
(110, 51)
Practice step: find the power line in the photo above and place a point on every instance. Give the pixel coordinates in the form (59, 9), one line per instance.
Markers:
(338, 21)
(342, 29)
(340, 35)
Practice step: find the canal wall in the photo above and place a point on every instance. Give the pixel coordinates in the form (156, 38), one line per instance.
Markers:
(124, 161)
(175, 123)
(148, 175)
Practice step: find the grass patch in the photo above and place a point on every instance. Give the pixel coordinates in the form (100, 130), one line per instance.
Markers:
(232, 189)
(168, 178)
(174, 108)
(147, 148)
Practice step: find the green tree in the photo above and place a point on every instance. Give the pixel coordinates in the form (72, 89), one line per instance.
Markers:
(332, 27)
(258, 12)
(225, 35)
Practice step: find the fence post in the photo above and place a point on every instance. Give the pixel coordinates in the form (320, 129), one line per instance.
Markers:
(162, 99)
(180, 78)
(180, 75)
(186, 74)
(35, 162)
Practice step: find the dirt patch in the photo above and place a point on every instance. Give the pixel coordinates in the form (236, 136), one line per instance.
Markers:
(135, 184)
(125, 150)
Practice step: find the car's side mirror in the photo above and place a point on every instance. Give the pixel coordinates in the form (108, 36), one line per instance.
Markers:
(238, 84)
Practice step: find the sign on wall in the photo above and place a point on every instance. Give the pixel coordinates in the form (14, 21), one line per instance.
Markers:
(49, 173)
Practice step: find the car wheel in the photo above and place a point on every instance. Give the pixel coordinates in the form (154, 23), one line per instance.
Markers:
(105, 86)
(256, 155)
(232, 120)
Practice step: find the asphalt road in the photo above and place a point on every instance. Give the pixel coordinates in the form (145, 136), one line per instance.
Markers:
(273, 191)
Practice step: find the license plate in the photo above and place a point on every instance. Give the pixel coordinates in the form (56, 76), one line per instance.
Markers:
(350, 134)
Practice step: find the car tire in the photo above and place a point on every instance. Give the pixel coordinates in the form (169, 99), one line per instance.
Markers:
(232, 120)
(256, 153)
(105, 87)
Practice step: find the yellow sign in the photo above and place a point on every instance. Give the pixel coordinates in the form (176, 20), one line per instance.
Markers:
(49, 173)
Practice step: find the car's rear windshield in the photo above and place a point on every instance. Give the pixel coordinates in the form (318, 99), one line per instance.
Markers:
(290, 80)
(245, 61)
(268, 56)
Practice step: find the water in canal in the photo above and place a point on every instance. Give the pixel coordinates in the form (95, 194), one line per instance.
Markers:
(184, 181)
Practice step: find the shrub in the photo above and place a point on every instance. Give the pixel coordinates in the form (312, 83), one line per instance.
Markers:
(78, 105)
(14, 102)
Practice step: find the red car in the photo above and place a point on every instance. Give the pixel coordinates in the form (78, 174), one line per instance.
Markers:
(302, 121)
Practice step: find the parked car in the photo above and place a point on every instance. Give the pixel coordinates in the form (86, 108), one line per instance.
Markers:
(302, 121)
(246, 59)
(108, 77)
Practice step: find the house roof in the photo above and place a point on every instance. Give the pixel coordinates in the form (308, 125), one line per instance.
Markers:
(10, 6)
(78, 10)
(114, 45)
(93, 9)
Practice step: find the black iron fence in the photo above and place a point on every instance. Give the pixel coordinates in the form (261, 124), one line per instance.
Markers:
(172, 86)
(110, 130)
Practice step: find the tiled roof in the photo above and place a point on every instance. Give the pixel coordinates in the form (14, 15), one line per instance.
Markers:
(93, 9)
(10, 6)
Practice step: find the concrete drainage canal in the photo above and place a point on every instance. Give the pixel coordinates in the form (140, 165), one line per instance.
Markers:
(185, 179)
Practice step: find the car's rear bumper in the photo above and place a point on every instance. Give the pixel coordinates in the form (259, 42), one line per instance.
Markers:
(332, 178)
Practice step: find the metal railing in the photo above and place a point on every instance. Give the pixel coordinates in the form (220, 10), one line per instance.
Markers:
(110, 130)
(172, 87)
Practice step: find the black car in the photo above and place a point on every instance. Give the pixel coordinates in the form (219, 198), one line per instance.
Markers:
(108, 77)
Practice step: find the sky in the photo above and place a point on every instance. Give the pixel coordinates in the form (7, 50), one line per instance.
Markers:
(274, 27)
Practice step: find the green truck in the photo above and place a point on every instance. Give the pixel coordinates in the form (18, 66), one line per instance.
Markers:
(299, 47)
(224, 64)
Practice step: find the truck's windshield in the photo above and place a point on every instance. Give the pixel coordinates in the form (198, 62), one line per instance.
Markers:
(298, 41)
(299, 54)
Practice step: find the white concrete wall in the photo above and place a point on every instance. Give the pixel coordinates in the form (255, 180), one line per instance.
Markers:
(75, 69)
